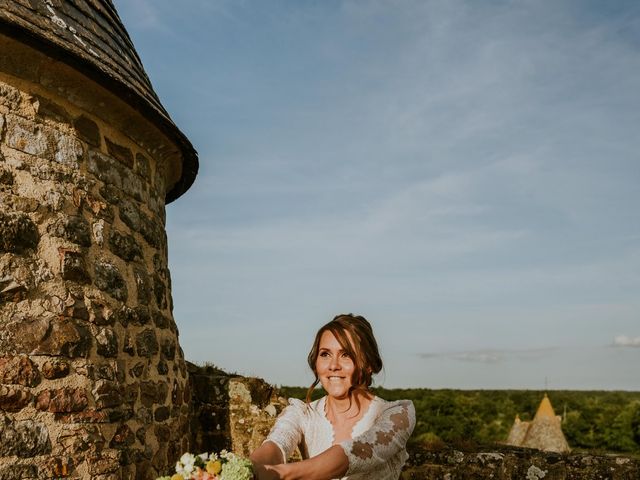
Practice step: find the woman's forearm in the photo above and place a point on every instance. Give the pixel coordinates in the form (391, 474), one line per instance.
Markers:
(267, 454)
(332, 463)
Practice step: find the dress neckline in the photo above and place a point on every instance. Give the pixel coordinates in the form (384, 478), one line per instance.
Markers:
(367, 414)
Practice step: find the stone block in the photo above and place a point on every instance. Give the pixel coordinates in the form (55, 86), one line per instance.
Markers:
(75, 439)
(48, 109)
(105, 169)
(123, 436)
(25, 438)
(68, 150)
(109, 279)
(138, 370)
(162, 368)
(14, 398)
(129, 213)
(73, 267)
(11, 472)
(147, 343)
(73, 228)
(53, 369)
(111, 194)
(143, 167)
(133, 316)
(134, 187)
(152, 232)
(25, 334)
(101, 314)
(87, 130)
(129, 347)
(18, 233)
(19, 370)
(160, 292)
(86, 416)
(103, 463)
(161, 413)
(6, 176)
(143, 285)
(107, 342)
(107, 394)
(27, 136)
(168, 348)
(120, 153)
(62, 400)
(125, 246)
(65, 337)
(153, 393)
(10, 97)
(162, 321)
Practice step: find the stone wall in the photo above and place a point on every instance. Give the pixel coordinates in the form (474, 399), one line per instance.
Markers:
(513, 463)
(230, 411)
(92, 380)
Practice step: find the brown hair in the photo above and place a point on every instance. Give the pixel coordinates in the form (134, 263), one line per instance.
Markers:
(363, 351)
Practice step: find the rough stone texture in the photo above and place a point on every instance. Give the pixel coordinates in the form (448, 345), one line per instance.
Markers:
(73, 228)
(125, 246)
(63, 400)
(505, 463)
(24, 438)
(109, 279)
(18, 233)
(19, 370)
(73, 266)
(13, 398)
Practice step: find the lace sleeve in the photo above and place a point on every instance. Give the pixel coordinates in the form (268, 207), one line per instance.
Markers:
(287, 431)
(383, 440)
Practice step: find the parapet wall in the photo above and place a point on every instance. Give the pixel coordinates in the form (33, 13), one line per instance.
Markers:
(513, 463)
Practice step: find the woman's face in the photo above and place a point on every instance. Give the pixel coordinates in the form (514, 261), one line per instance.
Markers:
(334, 366)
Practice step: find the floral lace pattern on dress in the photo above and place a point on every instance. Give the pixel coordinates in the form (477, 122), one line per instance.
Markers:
(385, 440)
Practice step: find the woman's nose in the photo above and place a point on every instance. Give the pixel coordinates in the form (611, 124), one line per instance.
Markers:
(334, 364)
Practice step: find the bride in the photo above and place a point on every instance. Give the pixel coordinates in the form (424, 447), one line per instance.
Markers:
(350, 433)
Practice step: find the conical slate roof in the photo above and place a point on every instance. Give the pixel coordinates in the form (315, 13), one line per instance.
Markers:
(89, 36)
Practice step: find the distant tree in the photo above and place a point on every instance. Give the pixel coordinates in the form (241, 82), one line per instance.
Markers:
(635, 423)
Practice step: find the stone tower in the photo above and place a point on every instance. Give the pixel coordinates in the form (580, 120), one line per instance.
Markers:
(544, 432)
(93, 383)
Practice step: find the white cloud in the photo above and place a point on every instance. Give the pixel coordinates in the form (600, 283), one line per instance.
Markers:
(625, 341)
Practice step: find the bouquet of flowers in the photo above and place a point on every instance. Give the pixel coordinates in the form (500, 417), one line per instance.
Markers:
(222, 466)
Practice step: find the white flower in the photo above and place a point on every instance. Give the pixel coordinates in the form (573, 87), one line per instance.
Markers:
(186, 464)
(204, 457)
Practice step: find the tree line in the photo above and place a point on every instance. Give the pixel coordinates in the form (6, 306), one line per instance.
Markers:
(600, 421)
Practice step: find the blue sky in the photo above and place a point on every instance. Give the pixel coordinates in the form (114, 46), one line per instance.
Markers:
(464, 174)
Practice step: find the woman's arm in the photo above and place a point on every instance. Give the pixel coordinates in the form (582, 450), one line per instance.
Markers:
(332, 463)
(266, 454)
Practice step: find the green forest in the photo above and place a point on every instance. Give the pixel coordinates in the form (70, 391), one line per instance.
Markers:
(597, 421)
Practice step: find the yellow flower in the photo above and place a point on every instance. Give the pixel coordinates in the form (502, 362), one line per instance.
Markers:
(214, 467)
(177, 476)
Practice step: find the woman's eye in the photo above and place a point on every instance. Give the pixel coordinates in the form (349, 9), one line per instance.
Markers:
(346, 355)
(324, 354)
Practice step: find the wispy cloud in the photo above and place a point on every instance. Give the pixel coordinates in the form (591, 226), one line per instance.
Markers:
(625, 341)
(492, 355)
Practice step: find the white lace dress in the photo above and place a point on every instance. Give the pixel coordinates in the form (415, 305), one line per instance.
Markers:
(376, 450)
